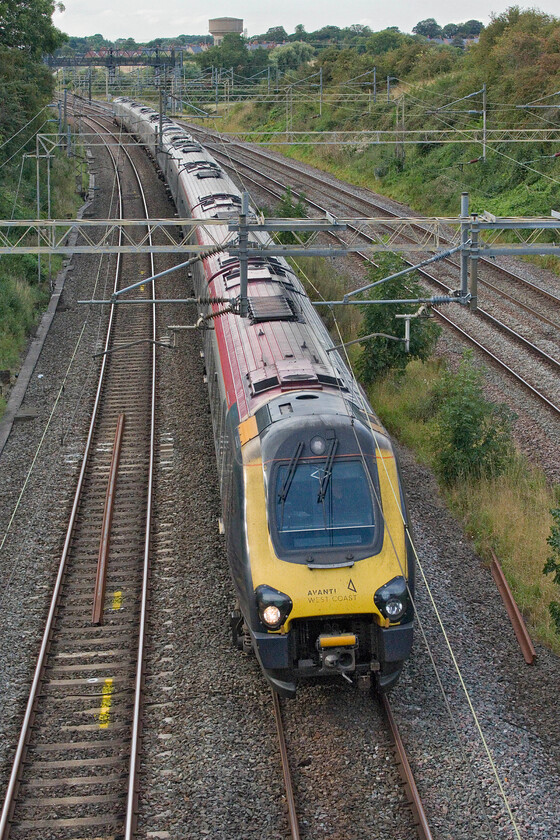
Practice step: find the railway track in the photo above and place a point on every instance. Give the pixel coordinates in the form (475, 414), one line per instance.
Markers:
(541, 381)
(75, 766)
(413, 799)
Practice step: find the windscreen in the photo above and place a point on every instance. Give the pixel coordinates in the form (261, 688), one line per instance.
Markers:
(323, 508)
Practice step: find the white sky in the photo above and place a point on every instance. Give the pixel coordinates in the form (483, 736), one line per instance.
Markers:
(145, 21)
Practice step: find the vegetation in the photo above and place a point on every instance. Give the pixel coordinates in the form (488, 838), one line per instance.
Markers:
(474, 436)
(517, 58)
(382, 353)
(26, 87)
(233, 52)
(288, 209)
(552, 565)
(507, 513)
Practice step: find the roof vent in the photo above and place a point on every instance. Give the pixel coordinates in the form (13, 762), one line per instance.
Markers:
(273, 308)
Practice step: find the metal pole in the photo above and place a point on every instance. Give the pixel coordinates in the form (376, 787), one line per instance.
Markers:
(49, 210)
(89, 84)
(160, 117)
(474, 263)
(388, 88)
(320, 91)
(374, 85)
(243, 255)
(464, 240)
(484, 121)
(65, 109)
(38, 190)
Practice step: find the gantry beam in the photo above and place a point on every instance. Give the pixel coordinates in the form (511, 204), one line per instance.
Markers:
(379, 138)
(164, 236)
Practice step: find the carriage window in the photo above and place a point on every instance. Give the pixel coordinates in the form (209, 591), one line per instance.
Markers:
(319, 513)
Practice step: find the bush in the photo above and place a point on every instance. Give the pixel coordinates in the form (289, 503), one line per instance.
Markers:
(474, 436)
(552, 565)
(287, 209)
(381, 355)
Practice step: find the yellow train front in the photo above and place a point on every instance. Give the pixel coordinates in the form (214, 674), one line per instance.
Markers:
(318, 543)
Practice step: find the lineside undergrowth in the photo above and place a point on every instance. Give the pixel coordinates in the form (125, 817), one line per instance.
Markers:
(24, 293)
(509, 513)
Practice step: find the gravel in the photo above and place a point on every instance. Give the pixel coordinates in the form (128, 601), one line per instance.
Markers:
(210, 765)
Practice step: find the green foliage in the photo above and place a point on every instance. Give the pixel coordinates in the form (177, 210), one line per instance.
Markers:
(552, 564)
(381, 354)
(277, 34)
(554, 610)
(428, 28)
(18, 302)
(28, 26)
(288, 209)
(26, 87)
(233, 52)
(291, 56)
(474, 436)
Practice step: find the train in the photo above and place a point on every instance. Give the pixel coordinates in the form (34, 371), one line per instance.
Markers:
(317, 531)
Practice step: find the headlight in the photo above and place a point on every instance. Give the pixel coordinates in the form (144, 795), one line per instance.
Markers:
(274, 607)
(391, 599)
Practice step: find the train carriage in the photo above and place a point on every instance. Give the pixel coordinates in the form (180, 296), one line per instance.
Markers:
(314, 513)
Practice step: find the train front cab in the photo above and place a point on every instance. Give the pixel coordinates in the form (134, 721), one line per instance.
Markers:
(327, 565)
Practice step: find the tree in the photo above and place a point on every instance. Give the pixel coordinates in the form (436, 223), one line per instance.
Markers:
(450, 29)
(291, 56)
(471, 28)
(327, 33)
(276, 34)
(27, 25)
(299, 33)
(381, 354)
(382, 42)
(233, 52)
(428, 28)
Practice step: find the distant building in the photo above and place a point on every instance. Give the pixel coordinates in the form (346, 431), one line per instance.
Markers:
(218, 27)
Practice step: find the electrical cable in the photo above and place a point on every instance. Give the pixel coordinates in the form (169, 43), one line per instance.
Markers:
(22, 147)
(44, 108)
(56, 402)
(396, 498)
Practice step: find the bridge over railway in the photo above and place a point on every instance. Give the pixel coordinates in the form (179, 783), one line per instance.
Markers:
(140, 57)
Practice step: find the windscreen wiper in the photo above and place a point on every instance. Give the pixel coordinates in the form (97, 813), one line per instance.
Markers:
(288, 480)
(327, 472)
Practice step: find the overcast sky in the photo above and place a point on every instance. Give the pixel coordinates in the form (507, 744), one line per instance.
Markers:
(147, 20)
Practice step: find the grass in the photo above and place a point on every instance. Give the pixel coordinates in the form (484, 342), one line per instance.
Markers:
(404, 404)
(19, 304)
(509, 515)
(23, 296)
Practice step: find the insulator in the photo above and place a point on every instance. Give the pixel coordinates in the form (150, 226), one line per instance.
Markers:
(210, 300)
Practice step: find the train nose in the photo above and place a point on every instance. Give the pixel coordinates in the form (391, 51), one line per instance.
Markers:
(338, 653)
(339, 660)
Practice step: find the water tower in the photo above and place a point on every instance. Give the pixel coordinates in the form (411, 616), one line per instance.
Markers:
(218, 27)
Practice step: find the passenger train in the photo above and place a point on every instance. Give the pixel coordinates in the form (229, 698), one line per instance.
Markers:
(314, 512)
